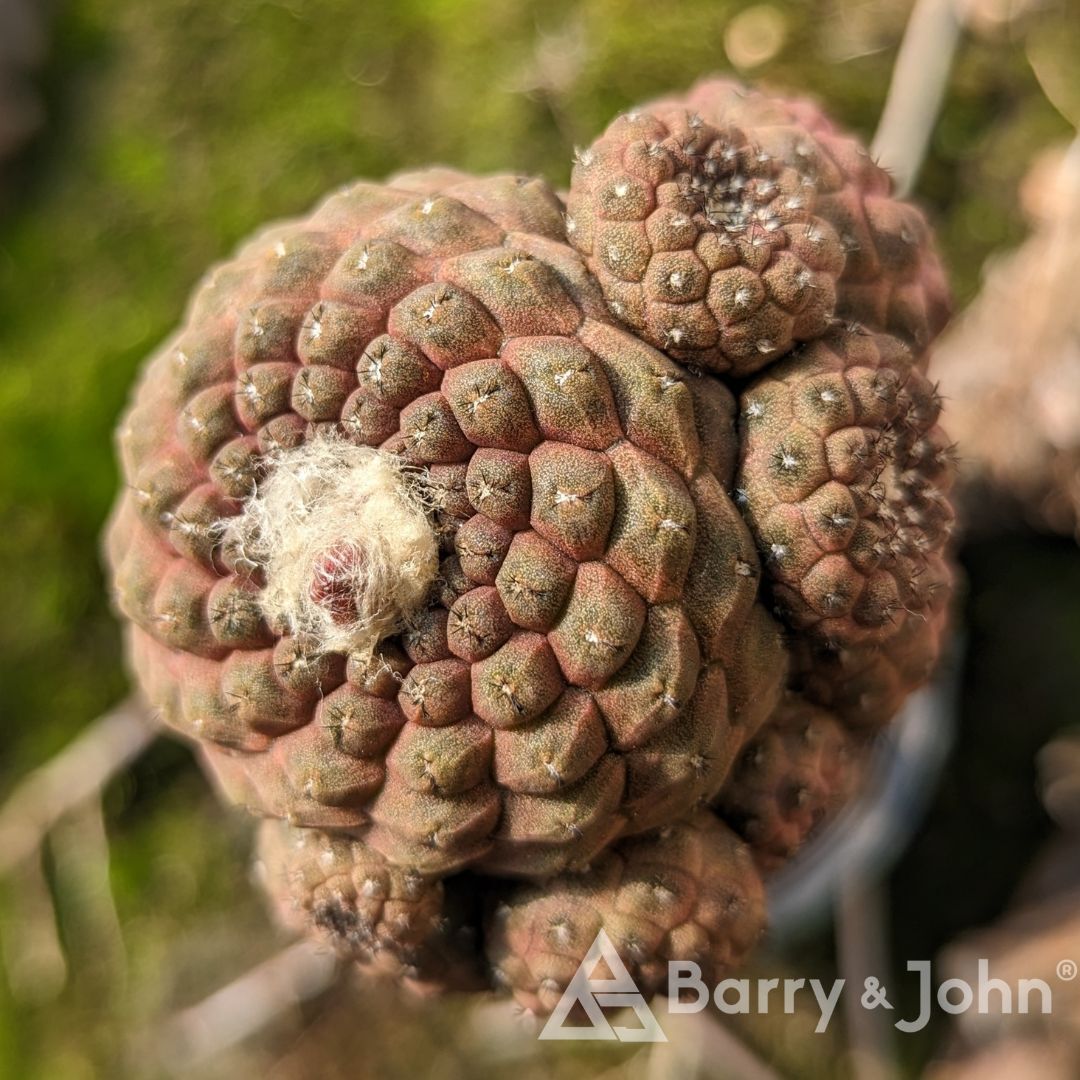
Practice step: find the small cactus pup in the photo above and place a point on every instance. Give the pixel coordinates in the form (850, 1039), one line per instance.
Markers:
(796, 774)
(390, 920)
(686, 893)
(511, 626)
(844, 478)
(727, 226)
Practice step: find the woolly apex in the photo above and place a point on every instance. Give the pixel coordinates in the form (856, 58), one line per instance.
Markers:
(341, 535)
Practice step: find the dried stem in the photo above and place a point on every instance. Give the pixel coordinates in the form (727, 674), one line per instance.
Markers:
(79, 845)
(75, 774)
(33, 956)
(860, 936)
(246, 1005)
(917, 89)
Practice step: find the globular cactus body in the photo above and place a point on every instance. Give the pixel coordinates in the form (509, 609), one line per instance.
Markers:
(566, 680)
(688, 893)
(797, 772)
(726, 226)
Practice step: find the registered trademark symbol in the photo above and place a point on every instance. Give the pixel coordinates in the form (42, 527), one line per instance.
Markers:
(1066, 970)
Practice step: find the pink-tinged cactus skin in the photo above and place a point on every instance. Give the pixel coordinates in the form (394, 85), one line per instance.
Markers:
(518, 614)
(844, 477)
(688, 892)
(726, 226)
(569, 680)
(797, 772)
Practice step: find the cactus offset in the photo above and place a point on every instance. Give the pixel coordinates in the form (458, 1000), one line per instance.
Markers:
(844, 479)
(388, 918)
(726, 226)
(798, 771)
(690, 893)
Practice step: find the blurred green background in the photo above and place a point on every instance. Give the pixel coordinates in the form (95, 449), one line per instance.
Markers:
(171, 129)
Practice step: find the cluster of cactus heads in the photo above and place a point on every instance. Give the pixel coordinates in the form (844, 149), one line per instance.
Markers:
(451, 540)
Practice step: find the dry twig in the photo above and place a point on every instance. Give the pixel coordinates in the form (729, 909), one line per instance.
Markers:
(917, 89)
(860, 934)
(33, 956)
(246, 1005)
(79, 771)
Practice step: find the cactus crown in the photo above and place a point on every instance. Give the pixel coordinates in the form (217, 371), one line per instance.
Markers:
(342, 540)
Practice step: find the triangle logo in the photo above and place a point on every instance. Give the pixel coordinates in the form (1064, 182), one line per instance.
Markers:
(594, 993)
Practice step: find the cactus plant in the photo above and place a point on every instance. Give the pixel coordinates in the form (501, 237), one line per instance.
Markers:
(444, 559)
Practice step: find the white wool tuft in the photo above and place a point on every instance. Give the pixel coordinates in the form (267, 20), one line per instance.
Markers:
(344, 541)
